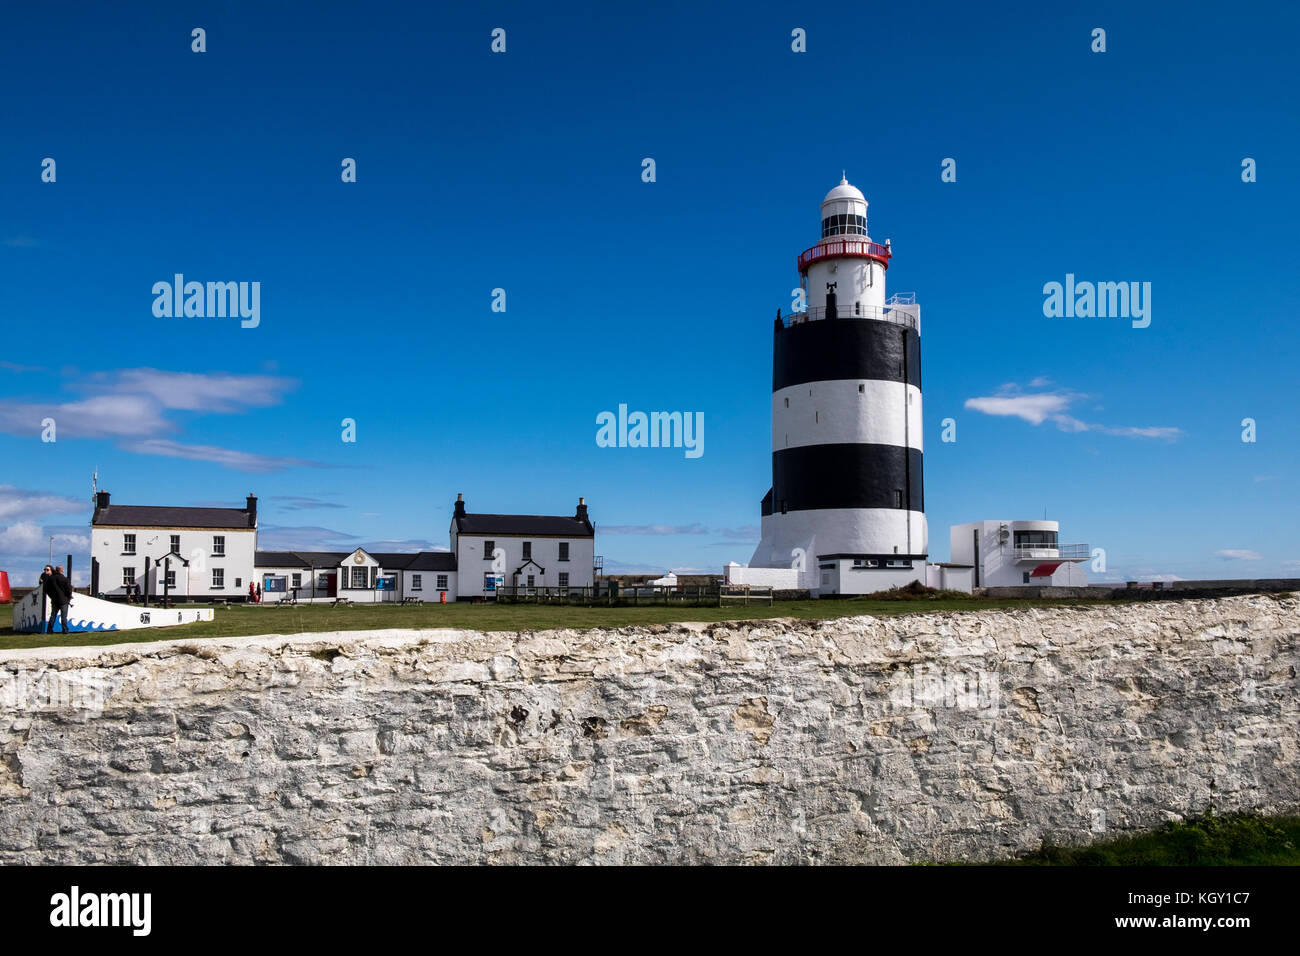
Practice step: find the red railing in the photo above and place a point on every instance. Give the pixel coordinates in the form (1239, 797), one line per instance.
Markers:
(844, 247)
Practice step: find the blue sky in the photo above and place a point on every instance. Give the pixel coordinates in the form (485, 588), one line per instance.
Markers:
(522, 171)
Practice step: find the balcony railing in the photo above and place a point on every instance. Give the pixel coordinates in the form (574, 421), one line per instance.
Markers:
(834, 248)
(854, 311)
(1052, 552)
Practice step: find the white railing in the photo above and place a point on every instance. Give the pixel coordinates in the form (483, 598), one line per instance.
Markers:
(854, 311)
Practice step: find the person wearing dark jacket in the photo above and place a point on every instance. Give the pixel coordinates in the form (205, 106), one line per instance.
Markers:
(59, 590)
(45, 576)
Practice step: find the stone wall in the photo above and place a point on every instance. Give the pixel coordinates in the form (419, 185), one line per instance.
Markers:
(927, 737)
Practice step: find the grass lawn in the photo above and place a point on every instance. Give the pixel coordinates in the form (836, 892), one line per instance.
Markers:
(1240, 840)
(238, 620)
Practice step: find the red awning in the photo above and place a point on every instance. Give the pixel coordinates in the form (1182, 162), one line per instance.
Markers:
(1045, 570)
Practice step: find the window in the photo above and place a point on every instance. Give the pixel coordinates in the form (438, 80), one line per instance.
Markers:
(442, 582)
(564, 551)
(898, 563)
(128, 544)
(488, 548)
(297, 580)
(417, 582)
(360, 578)
(787, 403)
(866, 562)
(862, 390)
(128, 576)
(1026, 577)
(530, 580)
(218, 577)
(528, 550)
(239, 582)
(218, 545)
(898, 498)
(170, 579)
(564, 579)
(176, 543)
(1035, 539)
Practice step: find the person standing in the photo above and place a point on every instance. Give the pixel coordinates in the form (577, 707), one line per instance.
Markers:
(45, 576)
(59, 590)
(259, 594)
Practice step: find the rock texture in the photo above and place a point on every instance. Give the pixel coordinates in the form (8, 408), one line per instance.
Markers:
(927, 737)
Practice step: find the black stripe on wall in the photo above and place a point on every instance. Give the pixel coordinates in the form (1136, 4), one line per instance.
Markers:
(831, 349)
(846, 476)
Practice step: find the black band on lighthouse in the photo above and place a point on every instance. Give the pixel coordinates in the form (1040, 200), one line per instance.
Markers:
(835, 349)
(846, 476)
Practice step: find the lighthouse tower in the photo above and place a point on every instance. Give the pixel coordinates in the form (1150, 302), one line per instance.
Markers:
(846, 505)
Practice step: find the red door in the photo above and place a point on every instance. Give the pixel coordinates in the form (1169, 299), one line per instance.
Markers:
(333, 585)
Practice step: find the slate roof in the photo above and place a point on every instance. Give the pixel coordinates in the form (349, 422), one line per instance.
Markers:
(511, 525)
(151, 516)
(390, 561)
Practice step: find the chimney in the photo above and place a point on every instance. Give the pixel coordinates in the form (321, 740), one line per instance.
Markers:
(101, 500)
(250, 505)
(582, 510)
(460, 506)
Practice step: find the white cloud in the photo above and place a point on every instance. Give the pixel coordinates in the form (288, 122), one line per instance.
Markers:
(1039, 407)
(1238, 554)
(654, 529)
(18, 504)
(227, 457)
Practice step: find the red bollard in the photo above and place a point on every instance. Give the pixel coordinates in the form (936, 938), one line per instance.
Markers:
(442, 595)
(5, 595)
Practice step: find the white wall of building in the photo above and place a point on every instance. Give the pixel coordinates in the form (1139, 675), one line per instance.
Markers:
(995, 560)
(428, 588)
(855, 531)
(472, 565)
(848, 576)
(236, 563)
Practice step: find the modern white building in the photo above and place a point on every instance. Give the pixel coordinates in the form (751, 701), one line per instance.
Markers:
(359, 576)
(1018, 553)
(201, 553)
(846, 507)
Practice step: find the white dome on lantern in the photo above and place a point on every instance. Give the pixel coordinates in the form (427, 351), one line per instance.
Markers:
(845, 190)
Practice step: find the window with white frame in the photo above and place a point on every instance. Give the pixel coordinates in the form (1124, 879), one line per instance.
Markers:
(170, 579)
(360, 578)
(564, 579)
(417, 582)
(442, 582)
(218, 545)
(128, 577)
(528, 550)
(297, 580)
(530, 580)
(218, 577)
(176, 543)
(128, 544)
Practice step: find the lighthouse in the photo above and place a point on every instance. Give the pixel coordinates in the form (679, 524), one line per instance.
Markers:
(846, 506)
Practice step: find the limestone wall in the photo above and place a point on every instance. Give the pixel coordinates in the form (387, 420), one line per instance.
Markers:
(926, 737)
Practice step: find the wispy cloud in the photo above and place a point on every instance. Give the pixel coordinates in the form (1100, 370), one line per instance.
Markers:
(22, 242)
(304, 503)
(18, 504)
(227, 457)
(15, 367)
(654, 529)
(1238, 554)
(1037, 407)
(132, 406)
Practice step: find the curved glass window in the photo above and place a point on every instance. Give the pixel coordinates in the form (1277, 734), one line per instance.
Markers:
(844, 224)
